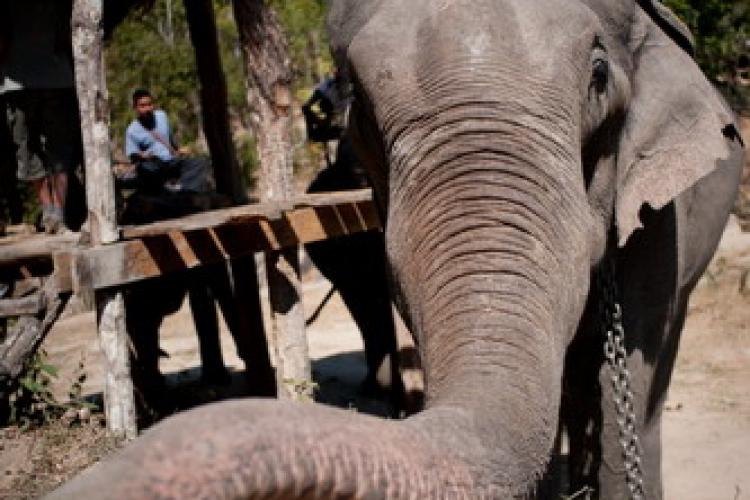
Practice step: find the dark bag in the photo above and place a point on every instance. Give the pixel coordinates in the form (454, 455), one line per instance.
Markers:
(188, 174)
(195, 174)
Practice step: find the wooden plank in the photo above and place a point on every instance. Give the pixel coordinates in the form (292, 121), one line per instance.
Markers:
(235, 215)
(246, 213)
(134, 260)
(332, 198)
(63, 265)
(14, 251)
(29, 306)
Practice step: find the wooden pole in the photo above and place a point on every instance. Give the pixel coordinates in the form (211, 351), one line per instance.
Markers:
(269, 94)
(119, 404)
(214, 100)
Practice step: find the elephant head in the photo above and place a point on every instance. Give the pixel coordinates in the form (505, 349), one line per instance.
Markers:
(512, 145)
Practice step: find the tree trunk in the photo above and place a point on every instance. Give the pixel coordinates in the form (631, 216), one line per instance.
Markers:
(269, 95)
(92, 100)
(214, 100)
(100, 196)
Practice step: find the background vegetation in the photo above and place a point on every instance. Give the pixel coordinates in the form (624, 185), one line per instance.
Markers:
(722, 38)
(152, 49)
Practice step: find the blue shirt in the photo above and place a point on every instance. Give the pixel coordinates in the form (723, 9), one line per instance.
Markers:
(138, 139)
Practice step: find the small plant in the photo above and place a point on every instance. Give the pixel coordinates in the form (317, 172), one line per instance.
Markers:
(33, 403)
(304, 390)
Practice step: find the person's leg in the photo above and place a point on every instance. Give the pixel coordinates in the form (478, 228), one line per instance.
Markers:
(59, 125)
(23, 120)
(58, 189)
(43, 193)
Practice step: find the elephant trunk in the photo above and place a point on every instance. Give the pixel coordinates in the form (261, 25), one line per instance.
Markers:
(486, 235)
(257, 449)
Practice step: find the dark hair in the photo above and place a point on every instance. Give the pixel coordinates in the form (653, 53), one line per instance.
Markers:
(140, 93)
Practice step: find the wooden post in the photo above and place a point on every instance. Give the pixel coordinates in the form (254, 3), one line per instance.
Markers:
(119, 404)
(214, 100)
(269, 94)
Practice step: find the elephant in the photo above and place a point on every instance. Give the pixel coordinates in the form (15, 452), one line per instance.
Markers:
(232, 285)
(518, 150)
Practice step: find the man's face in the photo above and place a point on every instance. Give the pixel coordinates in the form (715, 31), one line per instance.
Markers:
(144, 106)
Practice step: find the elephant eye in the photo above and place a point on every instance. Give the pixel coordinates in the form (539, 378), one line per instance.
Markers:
(600, 75)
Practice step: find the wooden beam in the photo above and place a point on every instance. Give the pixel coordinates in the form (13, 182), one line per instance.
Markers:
(23, 306)
(26, 335)
(246, 213)
(91, 85)
(16, 250)
(134, 260)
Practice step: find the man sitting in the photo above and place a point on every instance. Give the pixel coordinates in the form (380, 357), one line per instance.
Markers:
(151, 147)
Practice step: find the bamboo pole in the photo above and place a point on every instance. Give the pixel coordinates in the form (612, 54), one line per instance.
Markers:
(269, 94)
(119, 403)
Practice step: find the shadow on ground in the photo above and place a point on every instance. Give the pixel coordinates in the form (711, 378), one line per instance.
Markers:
(338, 380)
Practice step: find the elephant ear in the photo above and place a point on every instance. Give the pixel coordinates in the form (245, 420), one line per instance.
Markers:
(670, 24)
(678, 128)
(345, 19)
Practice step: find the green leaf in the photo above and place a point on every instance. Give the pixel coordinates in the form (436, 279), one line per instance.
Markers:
(49, 369)
(31, 385)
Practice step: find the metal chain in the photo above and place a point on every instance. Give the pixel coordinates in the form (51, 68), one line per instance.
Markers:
(616, 356)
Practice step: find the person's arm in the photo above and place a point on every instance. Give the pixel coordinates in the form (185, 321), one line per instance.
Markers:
(132, 151)
(180, 151)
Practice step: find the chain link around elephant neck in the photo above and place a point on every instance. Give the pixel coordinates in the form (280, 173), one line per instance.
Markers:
(616, 356)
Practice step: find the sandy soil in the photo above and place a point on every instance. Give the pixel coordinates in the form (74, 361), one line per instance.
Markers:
(706, 428)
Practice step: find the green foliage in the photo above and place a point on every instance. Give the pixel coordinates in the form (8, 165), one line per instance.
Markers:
(722, 32)
(32, 403)
(152, 49)
(304, 21)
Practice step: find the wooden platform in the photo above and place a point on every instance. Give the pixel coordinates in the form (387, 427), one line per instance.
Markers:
(44, 271)
(159, 248)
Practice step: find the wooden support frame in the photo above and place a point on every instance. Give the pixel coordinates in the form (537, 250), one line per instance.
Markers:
(153, 250)
(88, 56)
(206, 238)
(113, 258)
